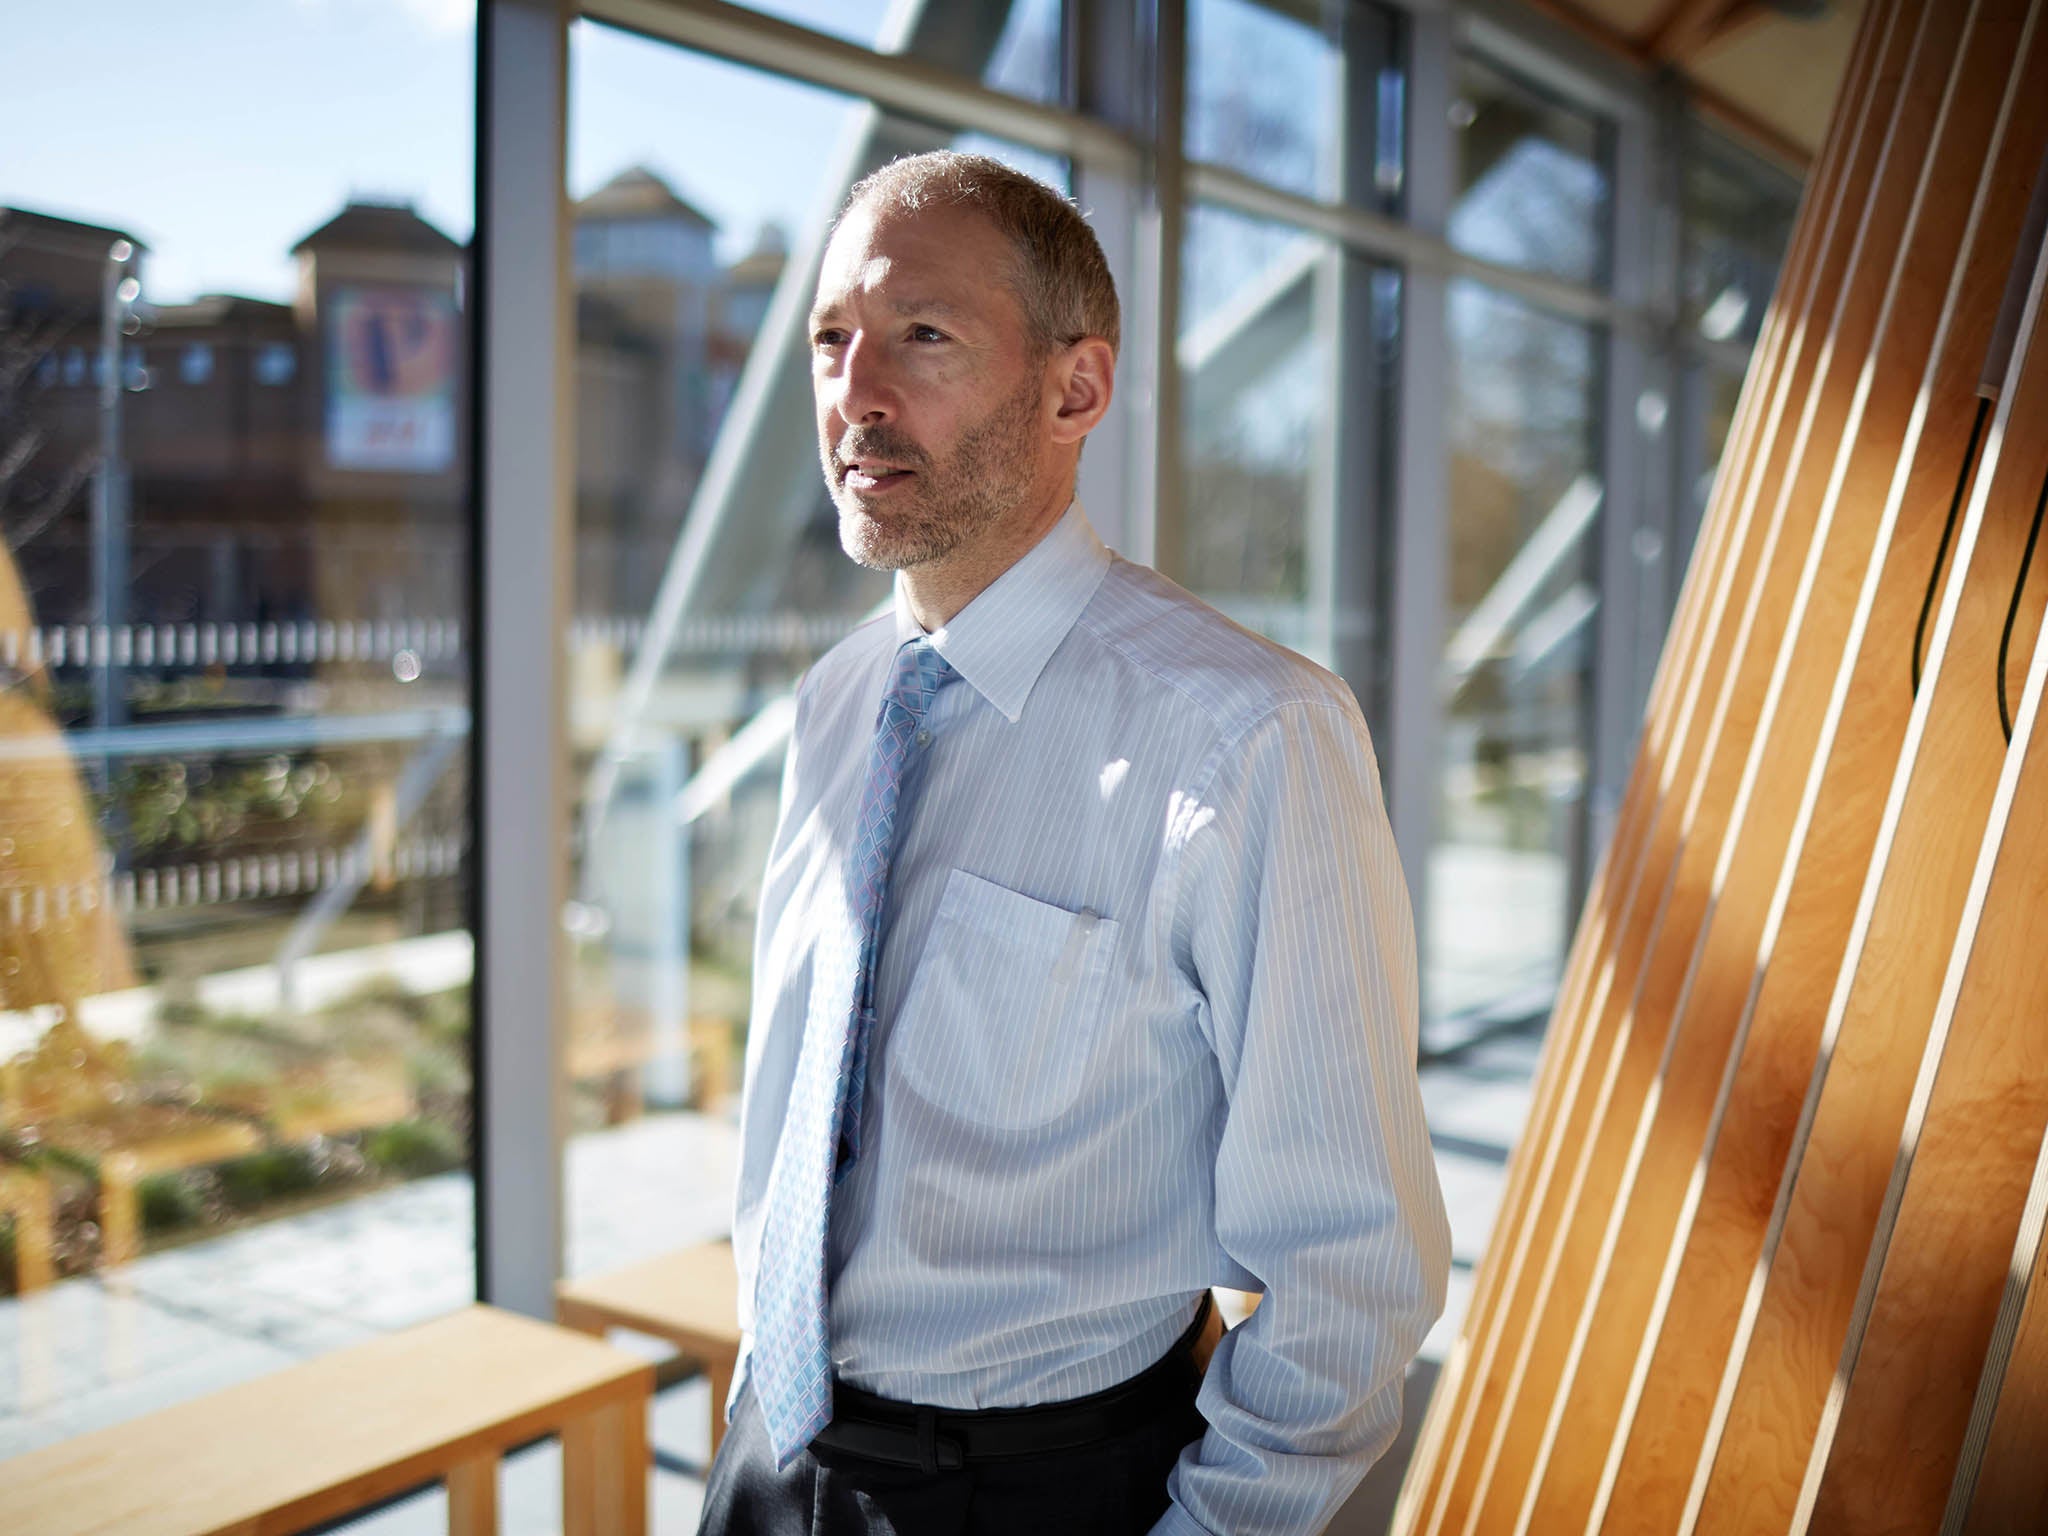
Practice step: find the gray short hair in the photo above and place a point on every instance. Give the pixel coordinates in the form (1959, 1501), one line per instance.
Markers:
(1061, 278)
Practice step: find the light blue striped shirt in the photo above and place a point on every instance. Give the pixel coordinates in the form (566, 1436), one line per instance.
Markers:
(1146, 1023)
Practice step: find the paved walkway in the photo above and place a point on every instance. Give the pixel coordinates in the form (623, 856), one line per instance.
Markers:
(98, 1350)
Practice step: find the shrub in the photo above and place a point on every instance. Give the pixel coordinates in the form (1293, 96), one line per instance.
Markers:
(250, 1181)
(169, 1201)
(435, 1070)
(415, 1148)
(444, 1017)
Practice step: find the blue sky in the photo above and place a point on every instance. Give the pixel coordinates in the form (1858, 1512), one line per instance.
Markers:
(220, 142)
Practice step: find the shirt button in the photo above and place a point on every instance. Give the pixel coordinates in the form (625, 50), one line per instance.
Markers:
(924, 738)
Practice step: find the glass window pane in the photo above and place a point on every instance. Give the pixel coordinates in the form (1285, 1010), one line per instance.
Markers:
(1263, 93)
(697, 476)
(1013, 45)
(1525, 501)
(234, 804)
(1533, 178)
(1738, 215)
(1285, 436)
(1255, 400)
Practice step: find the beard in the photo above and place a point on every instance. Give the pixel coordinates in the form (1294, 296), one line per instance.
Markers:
(986, 476)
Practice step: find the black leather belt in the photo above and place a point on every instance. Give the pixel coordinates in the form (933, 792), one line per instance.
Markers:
(947, 1439)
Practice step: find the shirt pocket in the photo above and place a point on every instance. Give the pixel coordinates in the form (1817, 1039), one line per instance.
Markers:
(1003, 1011)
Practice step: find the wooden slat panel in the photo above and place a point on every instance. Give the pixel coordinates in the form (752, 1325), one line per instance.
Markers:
(1887, 1448)
(1761, 1203)
(1680, 1364)
(1914, 901)
(1548, 1207)
(1766, 833)
(1709, 579)
(2003, 1483)
(1770, 611)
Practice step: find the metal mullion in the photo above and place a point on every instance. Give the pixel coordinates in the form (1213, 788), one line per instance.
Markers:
(1106, 80)
(522, 552)
(1625, 449)
(1157, 463)
(895, 82)
(1411, 756)
(1386, 239)
(1353, 511)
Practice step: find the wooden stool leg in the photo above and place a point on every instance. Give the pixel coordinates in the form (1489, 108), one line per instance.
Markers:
(473, 1497)
(35, 1246)
(118, 1202)
(605, 1465)
(28, 1199)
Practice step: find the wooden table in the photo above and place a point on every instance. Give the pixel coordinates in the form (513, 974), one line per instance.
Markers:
(444, 1400)
(689, 1297)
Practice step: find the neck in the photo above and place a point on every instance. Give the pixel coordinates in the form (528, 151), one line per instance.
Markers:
(938, 589)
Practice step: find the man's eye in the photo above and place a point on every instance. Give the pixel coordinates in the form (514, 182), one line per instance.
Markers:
(926, 333)
(828, 337)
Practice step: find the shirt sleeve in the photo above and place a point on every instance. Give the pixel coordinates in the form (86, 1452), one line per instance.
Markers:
(1292, 922)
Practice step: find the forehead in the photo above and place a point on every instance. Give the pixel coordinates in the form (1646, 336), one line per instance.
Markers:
(947, 255)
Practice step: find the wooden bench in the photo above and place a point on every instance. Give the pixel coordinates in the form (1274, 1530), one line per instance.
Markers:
(308, 1444)
(689, 1298)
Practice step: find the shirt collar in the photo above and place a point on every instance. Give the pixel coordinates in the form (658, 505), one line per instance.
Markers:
(1001, 641)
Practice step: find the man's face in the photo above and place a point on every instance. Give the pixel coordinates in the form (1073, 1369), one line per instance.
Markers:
(930, 398)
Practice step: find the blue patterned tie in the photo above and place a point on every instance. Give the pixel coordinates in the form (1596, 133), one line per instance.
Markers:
(792, 1363)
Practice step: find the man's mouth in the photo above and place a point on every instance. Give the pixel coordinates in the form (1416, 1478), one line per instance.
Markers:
(872, 474)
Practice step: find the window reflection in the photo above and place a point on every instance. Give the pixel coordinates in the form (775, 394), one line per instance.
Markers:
(234, 955)
(1737, 219)
(1287, 358)
(1012, 46)
(1525, 503)
(1738, 215)
(1262, 94)
(1533, 178)
(1255, 405)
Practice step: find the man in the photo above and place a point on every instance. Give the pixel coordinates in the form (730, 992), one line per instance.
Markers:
(1085, 974)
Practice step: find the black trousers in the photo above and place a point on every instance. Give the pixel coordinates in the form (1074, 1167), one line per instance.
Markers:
(1115, 1488)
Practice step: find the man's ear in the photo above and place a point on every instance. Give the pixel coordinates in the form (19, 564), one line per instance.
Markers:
(1084, 378)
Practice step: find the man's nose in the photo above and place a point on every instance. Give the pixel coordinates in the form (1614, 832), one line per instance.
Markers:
(867, 392)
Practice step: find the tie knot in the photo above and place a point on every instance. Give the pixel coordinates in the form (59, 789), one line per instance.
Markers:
(919, 674)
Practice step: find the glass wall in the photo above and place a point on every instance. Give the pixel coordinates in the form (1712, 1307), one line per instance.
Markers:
(1518, 668)
(1264, 94)
(1288, 339)
(1532, 191)
(1257, 412)
(1737, 214)
(1011, 45)
(1533, 176)
(234, 640)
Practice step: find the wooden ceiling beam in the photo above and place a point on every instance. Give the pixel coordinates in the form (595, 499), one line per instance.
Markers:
(1772, 142)
(1690, 27)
